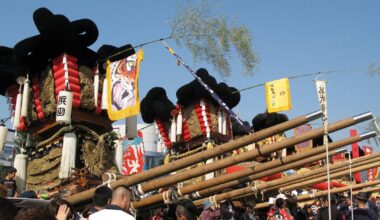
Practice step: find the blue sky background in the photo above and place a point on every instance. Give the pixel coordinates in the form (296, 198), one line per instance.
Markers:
(291, 38)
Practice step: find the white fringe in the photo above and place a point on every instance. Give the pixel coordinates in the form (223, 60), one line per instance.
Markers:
(25, 98)
(119, 155)
(20, 164)
(104, 95)
(173, 130)
(96, 89)
(179, 123)
(68, 155)
(16, 120)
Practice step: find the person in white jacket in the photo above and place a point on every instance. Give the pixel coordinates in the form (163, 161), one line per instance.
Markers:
(120, 203)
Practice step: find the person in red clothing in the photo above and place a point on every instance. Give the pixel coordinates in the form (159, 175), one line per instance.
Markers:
(279, 211)
(209, 212)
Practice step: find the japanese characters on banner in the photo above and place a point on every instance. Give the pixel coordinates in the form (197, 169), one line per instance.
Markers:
(133, 155)
(122, 82)
(278, 95)
(304, 146)
(321, 90)
(373, 172)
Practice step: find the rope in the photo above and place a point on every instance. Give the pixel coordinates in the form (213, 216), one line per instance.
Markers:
(111, 179)
(174, 191)
(179, 192)
(140, 189)
(88, 130)
(64, 130)
(52, 138)
(299, 76)
(167, 159)
(212, 199)
(195, 195)
(188, 153)
(133, 210)
(166, 197)
(205, 86)
(155, 41)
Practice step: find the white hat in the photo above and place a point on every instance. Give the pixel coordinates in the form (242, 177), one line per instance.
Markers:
(294, 193)
(282, 196)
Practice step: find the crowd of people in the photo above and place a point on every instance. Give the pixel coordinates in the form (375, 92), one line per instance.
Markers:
(116, 204)
(364, 208)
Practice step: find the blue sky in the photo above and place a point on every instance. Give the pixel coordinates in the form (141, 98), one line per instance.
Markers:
(291, 37)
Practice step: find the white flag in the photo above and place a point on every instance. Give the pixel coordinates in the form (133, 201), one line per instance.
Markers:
(322, 98)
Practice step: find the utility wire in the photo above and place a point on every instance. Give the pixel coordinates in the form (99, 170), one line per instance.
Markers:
(302, 75)
(154, 41)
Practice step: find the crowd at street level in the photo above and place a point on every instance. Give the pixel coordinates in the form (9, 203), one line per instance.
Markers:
(116, 204)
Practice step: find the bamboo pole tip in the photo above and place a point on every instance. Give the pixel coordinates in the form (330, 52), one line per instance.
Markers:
(314, 115)
(363, 117)
(368, 135)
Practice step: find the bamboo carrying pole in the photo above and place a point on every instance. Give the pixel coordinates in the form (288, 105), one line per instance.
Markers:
(342, 166)
(249, 155)
(324, 178)
(276, 184)
(248, 190)
(367, 190)
(201, 156)
(324, 193)
(286, 163)
(284, 167)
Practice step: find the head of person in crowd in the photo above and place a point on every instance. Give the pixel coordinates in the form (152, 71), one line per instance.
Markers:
(186, 210)
(122, 196)
(317, 202)
(7, 209)
(11, 173)
(34, 213)
(29, 194)
(53, 207)
(169, 212)
(102, 197)
(227, 209)
(325, 200)
(280, 201)
(307, 208)
(362, 198)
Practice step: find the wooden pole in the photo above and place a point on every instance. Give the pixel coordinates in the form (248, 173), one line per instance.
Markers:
(324, 178)
(205, 155)
(235, 177)
(373, 189)
(284, 167)
(324, 193)
(248, 190)
(249, 155)
(342, 166)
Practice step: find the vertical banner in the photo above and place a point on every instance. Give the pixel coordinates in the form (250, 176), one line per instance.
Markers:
(371, 173)
(278, 95)
(304, 146)
(355, 154)
(122, 83)
(133, 155)
(321, 90)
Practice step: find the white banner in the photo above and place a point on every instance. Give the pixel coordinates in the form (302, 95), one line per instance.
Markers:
(322, 98)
